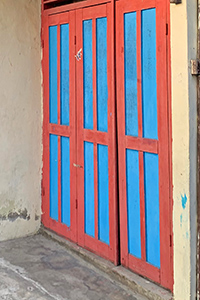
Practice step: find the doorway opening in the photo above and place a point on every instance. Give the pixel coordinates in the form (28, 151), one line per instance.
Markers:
(107, 155)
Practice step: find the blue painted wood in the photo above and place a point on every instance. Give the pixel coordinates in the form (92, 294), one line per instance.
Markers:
(64, 73)
(130, 65)
(53, 113)
(103, 194)
(89, 188)
(65, 180)
(87, 74)
(133, 202)
(54, 176)
(151, 181)
(149, 80)
(102, 78)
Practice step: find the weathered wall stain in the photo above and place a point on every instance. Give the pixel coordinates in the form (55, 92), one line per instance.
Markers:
(20, 118)
(37, 217)
(6, 204)
(13, 216)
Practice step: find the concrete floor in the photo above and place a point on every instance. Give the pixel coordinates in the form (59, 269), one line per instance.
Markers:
(38, 268)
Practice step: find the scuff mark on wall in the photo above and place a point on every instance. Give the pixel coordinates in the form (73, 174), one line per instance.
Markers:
(183, 216)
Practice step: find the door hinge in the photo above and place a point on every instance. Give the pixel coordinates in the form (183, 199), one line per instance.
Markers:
(170, 240)
(43, 191)
(42, 44)
(75, 40)
(195, 67)
(76, 204)
(167, 29)
(176, 1)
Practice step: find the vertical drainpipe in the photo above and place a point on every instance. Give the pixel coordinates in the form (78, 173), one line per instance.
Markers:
(198, 154)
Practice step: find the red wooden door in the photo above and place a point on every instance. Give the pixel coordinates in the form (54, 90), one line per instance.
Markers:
(59, 125)
(96, 142)
(79, 174)
(142, 111)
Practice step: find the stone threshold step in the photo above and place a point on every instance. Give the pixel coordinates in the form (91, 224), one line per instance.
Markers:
(135, 282)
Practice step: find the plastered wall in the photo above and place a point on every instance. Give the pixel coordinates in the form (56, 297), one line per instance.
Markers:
(20, 118)
(183, 48)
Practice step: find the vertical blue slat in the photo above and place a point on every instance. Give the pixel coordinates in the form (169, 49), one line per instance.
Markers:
(103, 194)
(130, 65)
(64, 73)
(133, 202)
(53, 113)
(149, 80)
(65, 181)
(89, 188)
(151, 177)
(87, 74)
(102, 79)
(54, 177)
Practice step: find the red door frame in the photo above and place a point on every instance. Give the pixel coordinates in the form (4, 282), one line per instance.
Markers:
(46, 130)
(161, 147)
(169, 103)
(58, 129)
(106, 138)
(92, 9)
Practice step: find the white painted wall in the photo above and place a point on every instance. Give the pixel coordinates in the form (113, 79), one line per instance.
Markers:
(184, 95)
(20, 118)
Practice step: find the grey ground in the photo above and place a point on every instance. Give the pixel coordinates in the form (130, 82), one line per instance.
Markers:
(37, 268)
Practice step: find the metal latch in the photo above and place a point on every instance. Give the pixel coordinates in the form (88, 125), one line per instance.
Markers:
(77, 166)
(176, 1)
(78, 55)
(195, 66)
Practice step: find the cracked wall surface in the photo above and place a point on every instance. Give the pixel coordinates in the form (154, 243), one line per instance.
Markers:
(20, 118)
